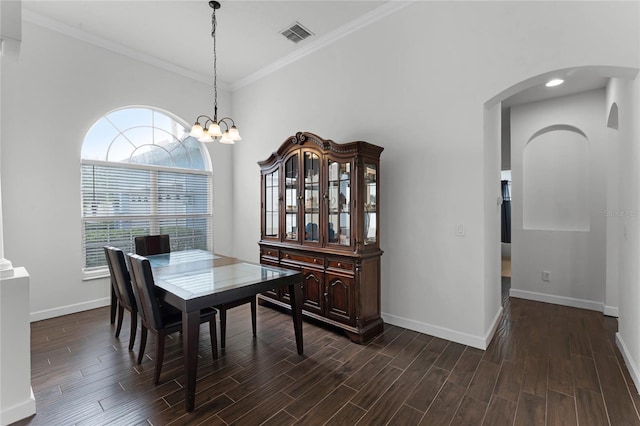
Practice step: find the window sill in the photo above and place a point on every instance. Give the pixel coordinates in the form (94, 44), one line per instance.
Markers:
(89, 275)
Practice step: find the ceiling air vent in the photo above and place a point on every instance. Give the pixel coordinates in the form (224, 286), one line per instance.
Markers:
(296, 32)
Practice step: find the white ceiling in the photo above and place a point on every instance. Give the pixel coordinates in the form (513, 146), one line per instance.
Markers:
(575, 81)
(178, 32)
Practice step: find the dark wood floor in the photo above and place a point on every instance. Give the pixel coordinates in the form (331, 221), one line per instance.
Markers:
(547, 364)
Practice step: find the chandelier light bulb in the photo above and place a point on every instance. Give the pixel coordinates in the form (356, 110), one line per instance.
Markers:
(214, 130)
(226, 139)
(196, 131)
(234, 134)
(206, 136)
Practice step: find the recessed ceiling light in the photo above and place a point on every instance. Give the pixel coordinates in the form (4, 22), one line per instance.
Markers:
(554, 82)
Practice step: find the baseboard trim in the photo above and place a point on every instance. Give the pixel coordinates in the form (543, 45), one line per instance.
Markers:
(494, 326)
(558, 300)
(69, 309)
(611, 311)
(628, 360)
(478, 342)
(19, 411)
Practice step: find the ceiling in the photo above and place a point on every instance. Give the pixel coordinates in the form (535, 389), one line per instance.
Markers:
(178, 32)
(576, 80)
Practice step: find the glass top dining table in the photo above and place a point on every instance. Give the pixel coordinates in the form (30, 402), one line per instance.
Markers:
(192, 280)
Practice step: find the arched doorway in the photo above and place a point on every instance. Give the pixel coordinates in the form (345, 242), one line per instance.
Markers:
(496, 119)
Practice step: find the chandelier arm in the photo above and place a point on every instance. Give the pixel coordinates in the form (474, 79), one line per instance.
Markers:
(202, 116)
(224, 120)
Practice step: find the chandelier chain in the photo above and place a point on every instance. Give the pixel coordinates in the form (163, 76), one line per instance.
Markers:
(215, 67)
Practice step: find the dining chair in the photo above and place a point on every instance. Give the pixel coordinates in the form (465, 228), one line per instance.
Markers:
(159, 244)
(121, 286)
(148, 245)
(161, 319)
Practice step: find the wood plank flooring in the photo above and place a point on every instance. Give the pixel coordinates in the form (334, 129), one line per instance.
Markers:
(547, 365)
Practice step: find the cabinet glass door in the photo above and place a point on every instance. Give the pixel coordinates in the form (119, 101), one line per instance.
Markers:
(370, 204)
(339, 196)
(291, 198)
(271, 207)
(311, 196)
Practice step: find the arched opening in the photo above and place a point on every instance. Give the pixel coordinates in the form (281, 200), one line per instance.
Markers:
(498, 114)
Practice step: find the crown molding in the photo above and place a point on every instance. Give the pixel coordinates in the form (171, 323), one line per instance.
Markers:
(76, 33)
(365, 20)
(369, 18)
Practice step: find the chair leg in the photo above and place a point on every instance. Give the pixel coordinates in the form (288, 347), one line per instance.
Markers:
(159, 356)
(223, 327)
(143, 343)
(114, 305)
(212, 334)
(120, 317)
(253, 315)
(134, 328)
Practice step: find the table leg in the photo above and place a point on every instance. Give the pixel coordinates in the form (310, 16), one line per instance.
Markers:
(190, 336)
(296, 293)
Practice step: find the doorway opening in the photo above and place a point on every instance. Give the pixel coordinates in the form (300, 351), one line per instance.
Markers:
(547, 277)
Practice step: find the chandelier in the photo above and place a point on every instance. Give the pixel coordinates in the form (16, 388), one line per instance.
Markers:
(209, 130)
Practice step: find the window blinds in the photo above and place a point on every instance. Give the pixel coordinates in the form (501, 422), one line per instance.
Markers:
(120, 202)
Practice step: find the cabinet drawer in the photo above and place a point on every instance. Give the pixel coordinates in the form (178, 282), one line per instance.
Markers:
(340, 265)
(269, 254)
(306, 260)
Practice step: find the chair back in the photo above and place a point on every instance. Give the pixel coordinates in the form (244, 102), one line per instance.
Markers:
(144, 291)
(152, 244)
(120, 279)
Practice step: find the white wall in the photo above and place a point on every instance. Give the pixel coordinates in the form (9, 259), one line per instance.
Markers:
(51, 96)
(574, 255)
(627, 97)
(416, 83)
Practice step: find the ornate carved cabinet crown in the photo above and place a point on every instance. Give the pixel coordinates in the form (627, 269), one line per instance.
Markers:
(319, 214)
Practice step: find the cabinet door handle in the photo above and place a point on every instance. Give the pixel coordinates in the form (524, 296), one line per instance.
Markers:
(315, 260)
(339, 265)
(286, 255)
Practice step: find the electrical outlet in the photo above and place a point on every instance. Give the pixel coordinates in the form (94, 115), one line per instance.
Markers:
(459, 230)
(546, 276)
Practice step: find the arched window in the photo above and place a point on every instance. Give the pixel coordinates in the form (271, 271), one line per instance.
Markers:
(142, 174)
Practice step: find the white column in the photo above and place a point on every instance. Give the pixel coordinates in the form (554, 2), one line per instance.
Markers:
(10, 39)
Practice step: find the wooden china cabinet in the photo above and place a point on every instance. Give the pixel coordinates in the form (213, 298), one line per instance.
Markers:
(319, 215)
